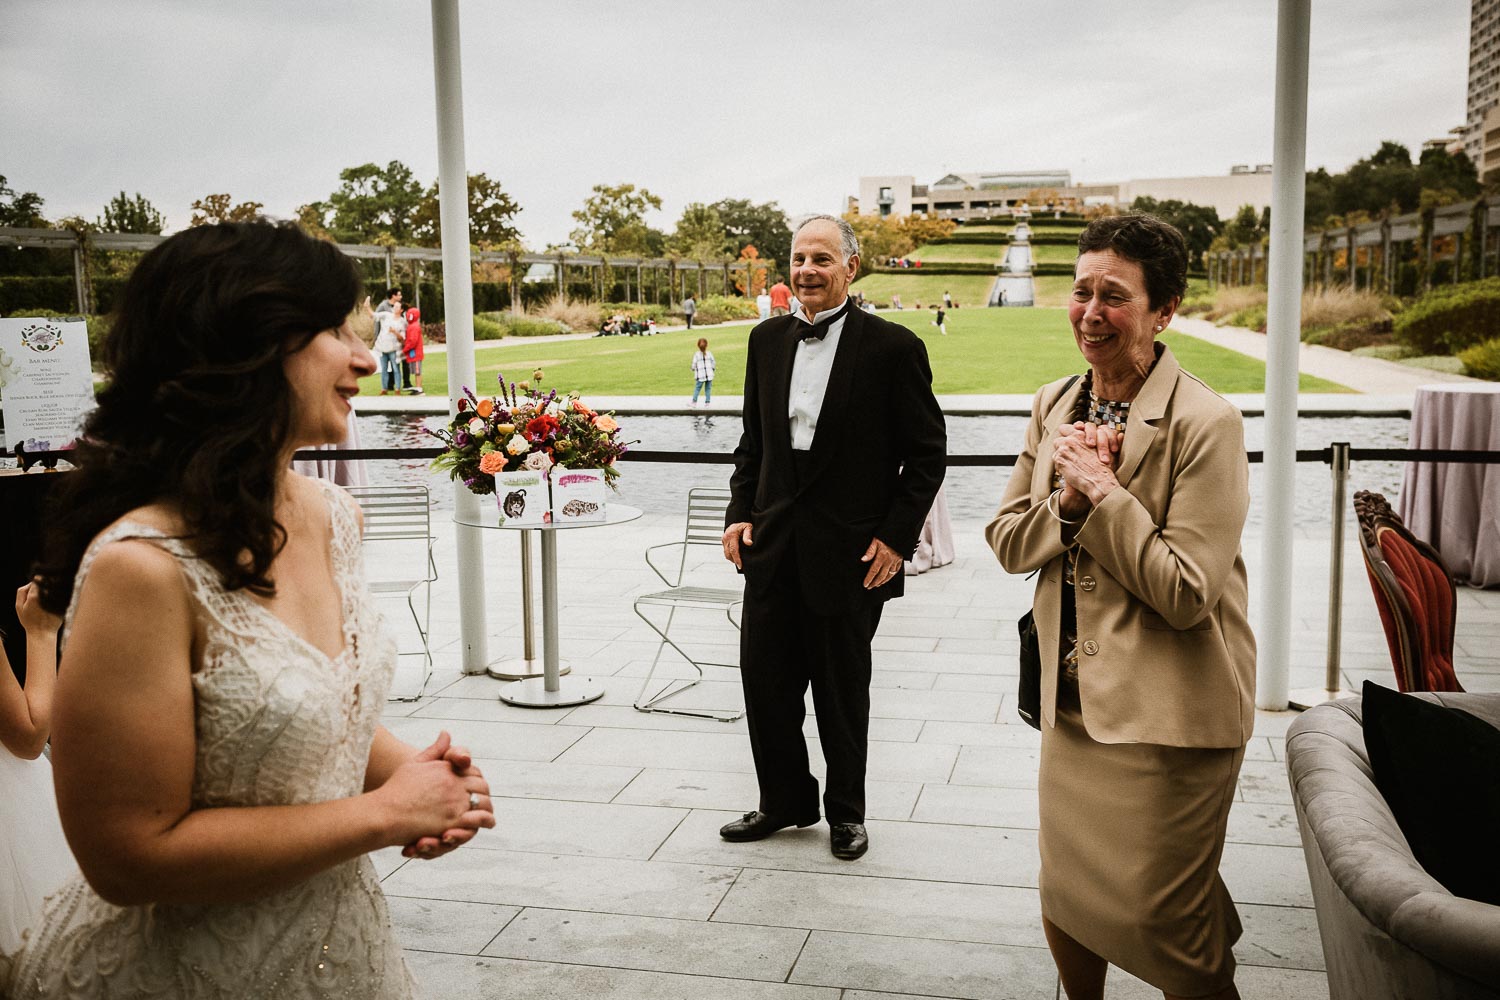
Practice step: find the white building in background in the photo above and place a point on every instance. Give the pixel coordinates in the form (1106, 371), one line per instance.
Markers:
(995, 194)
(1484, 73)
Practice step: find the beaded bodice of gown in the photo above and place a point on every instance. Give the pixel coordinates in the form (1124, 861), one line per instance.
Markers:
(278, 723)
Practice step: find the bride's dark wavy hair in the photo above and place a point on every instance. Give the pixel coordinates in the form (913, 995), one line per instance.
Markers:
(197, 410)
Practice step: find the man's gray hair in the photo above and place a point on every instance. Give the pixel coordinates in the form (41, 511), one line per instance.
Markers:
(848, 242)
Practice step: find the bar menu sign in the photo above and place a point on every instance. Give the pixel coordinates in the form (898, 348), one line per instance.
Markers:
(46, 382)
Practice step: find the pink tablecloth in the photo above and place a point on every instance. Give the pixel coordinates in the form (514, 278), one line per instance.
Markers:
(935, 546)
(1456, 508)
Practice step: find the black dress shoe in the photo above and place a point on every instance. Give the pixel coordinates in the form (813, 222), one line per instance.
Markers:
(848, 840)
(758, 826)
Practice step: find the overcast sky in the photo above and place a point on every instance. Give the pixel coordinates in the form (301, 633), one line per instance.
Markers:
(776, 100)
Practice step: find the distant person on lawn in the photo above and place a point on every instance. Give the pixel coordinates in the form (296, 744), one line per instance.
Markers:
(703, 373)
(689, 309)
(781, 298)
(412, 351)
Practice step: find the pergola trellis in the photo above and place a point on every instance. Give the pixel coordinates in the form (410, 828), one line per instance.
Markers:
(675, 273)
(1379, 238)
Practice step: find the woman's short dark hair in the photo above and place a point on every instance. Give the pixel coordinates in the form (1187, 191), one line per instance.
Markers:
(1155, 245)
(197, 411)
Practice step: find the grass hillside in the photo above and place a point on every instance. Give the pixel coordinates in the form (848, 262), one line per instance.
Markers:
(986, 351)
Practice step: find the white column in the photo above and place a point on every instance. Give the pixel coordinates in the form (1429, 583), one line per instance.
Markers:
(458, 294)
(1283, 337)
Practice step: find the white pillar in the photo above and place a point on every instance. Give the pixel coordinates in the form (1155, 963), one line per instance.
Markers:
(1283, 337)
(458, 289)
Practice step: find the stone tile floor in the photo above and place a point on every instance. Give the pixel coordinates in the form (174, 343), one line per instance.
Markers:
(606, 878)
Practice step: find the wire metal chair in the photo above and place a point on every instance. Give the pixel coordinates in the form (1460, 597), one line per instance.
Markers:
(704, 526)
(403, 514)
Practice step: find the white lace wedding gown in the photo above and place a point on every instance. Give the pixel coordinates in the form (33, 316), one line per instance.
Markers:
(278, 723)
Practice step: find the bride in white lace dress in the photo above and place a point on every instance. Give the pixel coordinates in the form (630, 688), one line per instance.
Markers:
(221, 771)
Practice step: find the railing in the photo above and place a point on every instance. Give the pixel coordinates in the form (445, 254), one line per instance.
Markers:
(1339, 456)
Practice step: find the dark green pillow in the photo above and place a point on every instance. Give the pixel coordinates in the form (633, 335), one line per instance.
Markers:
(1439, 770)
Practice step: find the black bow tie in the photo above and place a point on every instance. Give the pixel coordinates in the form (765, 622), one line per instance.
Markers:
(815, 331)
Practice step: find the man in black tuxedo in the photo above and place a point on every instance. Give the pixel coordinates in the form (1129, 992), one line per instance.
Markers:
(842, 454)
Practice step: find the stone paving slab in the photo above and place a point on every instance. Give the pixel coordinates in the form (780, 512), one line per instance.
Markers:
(897, 906)
(651, 944)
(446, 926)
(555, 881)
(930, 851)
(595, 829)
(923, 965)
(725, 790)
(509, 979)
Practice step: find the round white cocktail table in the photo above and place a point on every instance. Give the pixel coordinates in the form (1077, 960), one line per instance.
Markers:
(551, 689)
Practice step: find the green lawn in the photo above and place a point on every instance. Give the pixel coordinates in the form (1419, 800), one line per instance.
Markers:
(913, 286)
(1049, 253)
(933, 253)
(986, 351)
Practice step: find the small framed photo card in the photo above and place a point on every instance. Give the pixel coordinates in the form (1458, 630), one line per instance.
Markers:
(522, 498)
(578, 495)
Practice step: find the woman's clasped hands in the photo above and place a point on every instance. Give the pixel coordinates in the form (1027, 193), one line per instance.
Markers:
(1084, 455)
(437, 801)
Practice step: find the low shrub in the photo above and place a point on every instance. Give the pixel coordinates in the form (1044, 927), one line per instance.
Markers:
(1192, 305)
(724, 309)
(1228, 301)
(494, 325)
(1250, 317)
(575, 314)
(1352, 335)
(1482, 360)
(1451, 318)
(1328, 307)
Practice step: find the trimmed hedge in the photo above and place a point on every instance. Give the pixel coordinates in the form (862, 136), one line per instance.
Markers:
(1052, 267)
(1483, 360)
(1451, 318)
(1054, 239)
(946, 267)
(969, 239)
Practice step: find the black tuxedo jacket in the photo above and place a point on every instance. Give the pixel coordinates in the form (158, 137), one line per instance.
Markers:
(877, 460)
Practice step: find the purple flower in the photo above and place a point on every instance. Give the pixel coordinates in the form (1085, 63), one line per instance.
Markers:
(460, 439)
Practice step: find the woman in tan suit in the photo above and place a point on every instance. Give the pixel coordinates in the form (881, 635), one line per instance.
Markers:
(1129, 498)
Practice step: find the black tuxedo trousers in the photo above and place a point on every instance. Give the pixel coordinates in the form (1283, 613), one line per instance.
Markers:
(784, 650)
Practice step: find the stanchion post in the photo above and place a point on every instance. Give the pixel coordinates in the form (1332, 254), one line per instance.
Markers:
(1332, 686)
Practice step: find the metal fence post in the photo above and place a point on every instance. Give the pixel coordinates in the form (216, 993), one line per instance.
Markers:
(1332, 685)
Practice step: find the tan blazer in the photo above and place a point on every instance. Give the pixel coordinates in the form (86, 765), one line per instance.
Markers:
(1166, 654)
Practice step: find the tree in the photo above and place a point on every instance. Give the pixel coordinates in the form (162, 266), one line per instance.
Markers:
(215, 208)
(131, 215)
(374, 202)
(491, 215)
(755, 269)
(23, 209)
(920, 230)
(1199, 224)
(700, 234)
(613, 220)
(1387, 183)
(764, 226)
(1244, 228)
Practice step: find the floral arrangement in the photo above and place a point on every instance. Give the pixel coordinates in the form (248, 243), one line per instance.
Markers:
(525, 428)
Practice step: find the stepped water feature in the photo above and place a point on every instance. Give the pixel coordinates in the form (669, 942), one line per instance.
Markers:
(1014, 287)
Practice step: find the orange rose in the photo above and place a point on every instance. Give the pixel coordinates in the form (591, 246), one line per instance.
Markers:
(606, 423)
(485, 408)
(491, 462)
(578, 407)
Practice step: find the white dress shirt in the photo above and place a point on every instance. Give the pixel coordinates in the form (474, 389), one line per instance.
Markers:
(810, 369)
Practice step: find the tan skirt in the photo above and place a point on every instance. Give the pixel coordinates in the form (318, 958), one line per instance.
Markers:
(1131, 836)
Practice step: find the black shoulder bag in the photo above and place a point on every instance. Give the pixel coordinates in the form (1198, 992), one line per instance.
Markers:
(1029, 689)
